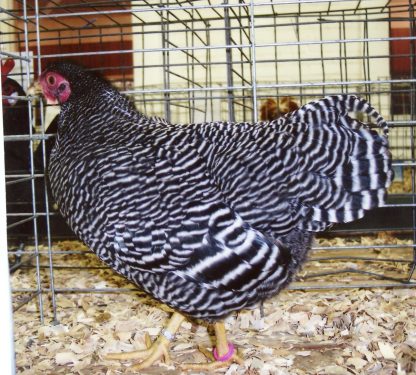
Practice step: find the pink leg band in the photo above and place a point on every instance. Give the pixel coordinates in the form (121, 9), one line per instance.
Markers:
(225, 357)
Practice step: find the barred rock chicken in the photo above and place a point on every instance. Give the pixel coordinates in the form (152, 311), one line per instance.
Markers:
(207, 218)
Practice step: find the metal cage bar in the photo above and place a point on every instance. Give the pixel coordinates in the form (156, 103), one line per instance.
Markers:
(211, 57)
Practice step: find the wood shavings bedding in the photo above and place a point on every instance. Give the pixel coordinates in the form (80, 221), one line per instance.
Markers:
(403, 184)
(335, 331)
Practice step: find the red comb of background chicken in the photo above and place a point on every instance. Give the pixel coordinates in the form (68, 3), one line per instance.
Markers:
(6, 68)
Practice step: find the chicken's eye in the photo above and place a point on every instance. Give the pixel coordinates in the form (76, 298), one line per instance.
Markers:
(51, 80)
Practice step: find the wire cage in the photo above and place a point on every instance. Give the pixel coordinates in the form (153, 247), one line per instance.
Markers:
(197, 61)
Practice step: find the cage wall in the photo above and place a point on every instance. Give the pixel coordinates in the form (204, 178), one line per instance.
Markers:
(214, 60)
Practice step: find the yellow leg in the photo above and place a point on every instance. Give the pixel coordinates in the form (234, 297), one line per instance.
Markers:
(155, 351)
(221, 335)
(222, 349)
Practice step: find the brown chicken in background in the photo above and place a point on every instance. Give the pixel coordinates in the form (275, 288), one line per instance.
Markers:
(271, 109)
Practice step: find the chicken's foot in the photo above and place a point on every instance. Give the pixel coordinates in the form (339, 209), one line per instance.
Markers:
(222, 355)
(156, 350)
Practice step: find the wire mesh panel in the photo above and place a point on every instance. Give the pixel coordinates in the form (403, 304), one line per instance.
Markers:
(208, 60)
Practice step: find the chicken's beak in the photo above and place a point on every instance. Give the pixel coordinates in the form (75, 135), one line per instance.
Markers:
(35, 89)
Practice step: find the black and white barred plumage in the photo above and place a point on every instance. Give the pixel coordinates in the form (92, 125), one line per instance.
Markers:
(215, 217)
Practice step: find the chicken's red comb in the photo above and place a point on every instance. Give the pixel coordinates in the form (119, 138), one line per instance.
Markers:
(6, 68)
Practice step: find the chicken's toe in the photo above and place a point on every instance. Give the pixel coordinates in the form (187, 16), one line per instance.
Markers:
(156, 350)
(215, 362)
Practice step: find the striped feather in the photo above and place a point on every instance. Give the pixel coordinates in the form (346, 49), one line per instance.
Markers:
(211, 218)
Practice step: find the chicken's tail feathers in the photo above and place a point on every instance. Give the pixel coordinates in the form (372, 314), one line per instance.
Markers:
(352, 103)
(351, 163)
(341, 106)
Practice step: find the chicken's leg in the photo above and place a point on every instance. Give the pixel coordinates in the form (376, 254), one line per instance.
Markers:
(222, 355)
(157, 350)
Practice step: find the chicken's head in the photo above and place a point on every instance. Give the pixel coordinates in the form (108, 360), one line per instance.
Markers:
(55, 87)
(9, 87)
(65, 82)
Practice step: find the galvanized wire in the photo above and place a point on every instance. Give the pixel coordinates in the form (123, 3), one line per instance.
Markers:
(191, 91)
